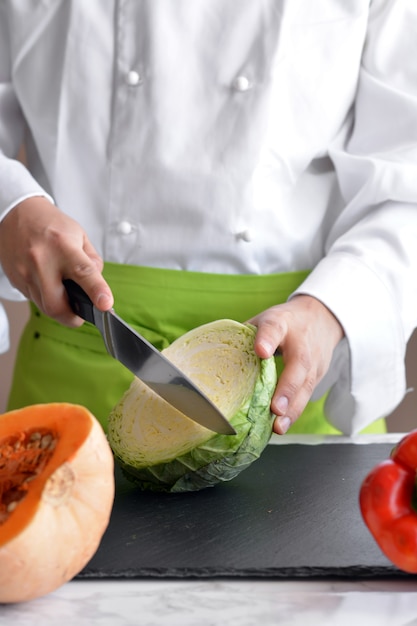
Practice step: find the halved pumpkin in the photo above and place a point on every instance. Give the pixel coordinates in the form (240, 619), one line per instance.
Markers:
(56, 496)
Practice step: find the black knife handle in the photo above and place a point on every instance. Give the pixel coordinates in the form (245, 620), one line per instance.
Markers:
(79, 302)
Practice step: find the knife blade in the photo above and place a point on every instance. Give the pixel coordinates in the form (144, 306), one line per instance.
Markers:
(147, 363)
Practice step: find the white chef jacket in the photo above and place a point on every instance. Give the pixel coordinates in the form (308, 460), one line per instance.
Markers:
(233, 136)
(4, 330)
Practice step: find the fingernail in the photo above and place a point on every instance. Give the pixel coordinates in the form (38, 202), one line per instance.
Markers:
(266, 347)
(284, 424)
(103, 299)
(265, 344)
(281, 405)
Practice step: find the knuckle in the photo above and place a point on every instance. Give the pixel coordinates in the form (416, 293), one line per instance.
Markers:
(57, 238)
(83, 270)
(290, 389)
(309, 384)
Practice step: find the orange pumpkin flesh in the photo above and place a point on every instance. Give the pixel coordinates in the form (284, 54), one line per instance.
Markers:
(56, 496)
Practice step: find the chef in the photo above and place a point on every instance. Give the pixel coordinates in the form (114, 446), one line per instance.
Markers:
(194, 160)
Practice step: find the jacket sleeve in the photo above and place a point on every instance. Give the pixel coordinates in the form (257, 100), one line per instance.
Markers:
(368, 277)
(16, 183)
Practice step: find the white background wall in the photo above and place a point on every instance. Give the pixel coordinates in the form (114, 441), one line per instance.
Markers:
(403, 419)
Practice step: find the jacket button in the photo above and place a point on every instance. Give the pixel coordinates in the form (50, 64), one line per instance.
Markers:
(241, 83)
(133, 79)
(124, 228)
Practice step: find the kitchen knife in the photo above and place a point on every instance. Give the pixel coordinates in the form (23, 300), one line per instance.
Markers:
(147, 363)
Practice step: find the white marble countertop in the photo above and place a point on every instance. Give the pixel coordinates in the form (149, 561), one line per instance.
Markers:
(220, 603)
(230, 602)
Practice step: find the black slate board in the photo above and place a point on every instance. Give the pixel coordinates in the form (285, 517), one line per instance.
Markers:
(293, 513)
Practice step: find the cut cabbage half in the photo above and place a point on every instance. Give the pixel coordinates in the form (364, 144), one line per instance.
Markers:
(159, 448)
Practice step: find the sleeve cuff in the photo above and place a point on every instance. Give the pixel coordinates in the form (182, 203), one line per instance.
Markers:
(367, 378)
(4, 331)
(16, 185)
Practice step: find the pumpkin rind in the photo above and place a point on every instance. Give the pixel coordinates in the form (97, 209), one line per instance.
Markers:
(55, 530)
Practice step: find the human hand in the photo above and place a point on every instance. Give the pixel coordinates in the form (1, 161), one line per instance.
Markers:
(306, 333)
(39, 247)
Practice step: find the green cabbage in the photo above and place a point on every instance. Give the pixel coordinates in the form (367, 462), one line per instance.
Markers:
(161, 449)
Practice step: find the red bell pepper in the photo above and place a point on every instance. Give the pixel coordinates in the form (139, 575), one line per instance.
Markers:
(388, 504)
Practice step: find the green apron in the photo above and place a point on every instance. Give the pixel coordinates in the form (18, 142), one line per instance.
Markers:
(59, 364)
